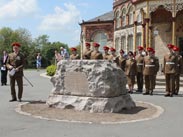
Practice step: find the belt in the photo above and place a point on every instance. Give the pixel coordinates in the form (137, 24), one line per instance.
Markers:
(149, 65)
(140, 64)
(178, 65)
(170, 63)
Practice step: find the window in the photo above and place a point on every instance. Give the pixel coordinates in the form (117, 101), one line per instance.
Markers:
(100, 38)
(118, 21)
(123, 17)
(139, 40)
(139, 18)
(123, 42)
(117, 44)
(131, 15)
(130, 43)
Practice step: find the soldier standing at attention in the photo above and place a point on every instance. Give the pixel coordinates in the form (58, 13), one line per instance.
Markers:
(130, 71)
(15, 64)
(178, 72)
(87, 52)
(169, 69)
(121, 60)
(149, 71)
(113, 56)
(96, 54)
(74, 55)
(106, 53)
(157, 67)
(140, 62)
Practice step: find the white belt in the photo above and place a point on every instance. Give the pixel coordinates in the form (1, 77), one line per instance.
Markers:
(140, 64)
(178, 65)
(167, 63)
(149, 65)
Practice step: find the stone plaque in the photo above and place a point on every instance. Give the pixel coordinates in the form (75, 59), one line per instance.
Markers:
(76, 83)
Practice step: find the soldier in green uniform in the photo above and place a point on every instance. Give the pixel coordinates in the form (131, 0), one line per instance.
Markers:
(15, 64)
(150, 69)
(140, 61)
(96, 54)
(87, 52)
(178, 72)
(74, 55)
(169, 69)
(106, 53)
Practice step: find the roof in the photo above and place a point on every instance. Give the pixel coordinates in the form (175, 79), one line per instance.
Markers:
(109, 16)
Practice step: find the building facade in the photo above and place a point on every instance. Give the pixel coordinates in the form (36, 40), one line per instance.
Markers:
(150, 23)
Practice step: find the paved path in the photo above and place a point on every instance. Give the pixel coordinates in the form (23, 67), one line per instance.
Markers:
(12, 124)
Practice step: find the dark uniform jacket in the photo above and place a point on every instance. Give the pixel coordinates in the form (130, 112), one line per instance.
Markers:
(87, 54)
(96, 55)
(74, 57)
(131, 67)
(150, 65)
(179, 65)
(17, 61)
(170, 64)
(2, 61)
(140, 62)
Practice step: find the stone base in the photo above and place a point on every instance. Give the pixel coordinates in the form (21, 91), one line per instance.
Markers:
(91, 104)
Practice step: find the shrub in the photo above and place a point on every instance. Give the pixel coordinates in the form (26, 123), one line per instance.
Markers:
(51, 70)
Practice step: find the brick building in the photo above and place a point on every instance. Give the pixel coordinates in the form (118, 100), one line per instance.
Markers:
(150, 23)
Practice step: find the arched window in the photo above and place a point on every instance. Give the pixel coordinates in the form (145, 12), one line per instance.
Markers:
(130, 15)
(118, 20)
(123, 17)
(100, 38)
(139, 18)
(130, 43)
(139, 39)
(123, 43)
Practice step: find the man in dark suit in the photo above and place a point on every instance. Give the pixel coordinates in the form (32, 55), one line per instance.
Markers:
(3, 68)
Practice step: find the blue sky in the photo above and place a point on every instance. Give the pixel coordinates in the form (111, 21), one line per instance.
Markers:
(59, 19)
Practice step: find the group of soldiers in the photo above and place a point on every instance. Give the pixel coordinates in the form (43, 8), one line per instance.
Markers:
(142, 66)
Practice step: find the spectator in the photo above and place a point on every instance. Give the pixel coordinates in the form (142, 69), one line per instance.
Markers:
(38, 61)
(64, 53)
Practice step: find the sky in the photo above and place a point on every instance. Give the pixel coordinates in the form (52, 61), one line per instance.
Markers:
(59, 19)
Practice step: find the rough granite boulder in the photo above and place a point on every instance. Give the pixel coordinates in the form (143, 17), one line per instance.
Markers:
(91, 85)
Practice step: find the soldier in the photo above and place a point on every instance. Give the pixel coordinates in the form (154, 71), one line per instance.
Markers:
(169, 69)
(113, 55)
(150, 69)
(15, 64)
(121, 60)
(74, 55)
(96, 54)
(178, 72)
(140, 61)
(106, 53)
(157, 67)
(130, 71)
(87, 52)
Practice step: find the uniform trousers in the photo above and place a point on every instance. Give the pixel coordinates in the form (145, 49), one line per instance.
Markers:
(149, 82)
(19, 80)
(140, 80)
(177, 83)
(170, 83)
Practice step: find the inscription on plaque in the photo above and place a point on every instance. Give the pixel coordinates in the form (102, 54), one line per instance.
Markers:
(76, 83)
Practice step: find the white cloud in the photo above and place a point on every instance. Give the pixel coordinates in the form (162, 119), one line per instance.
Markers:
(62, 19)
(18, 8)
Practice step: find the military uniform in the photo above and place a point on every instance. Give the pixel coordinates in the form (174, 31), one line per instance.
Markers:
(150, 70)
(74, 56)
(96, 55)
(106, 56)
(121, 62)
(170, 68)
(17, 62)
(140, 62)
(87, 54)
(178, 72)
(130, 72)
